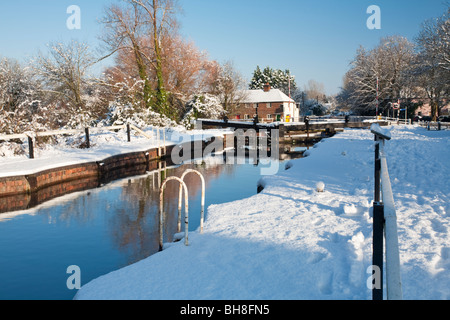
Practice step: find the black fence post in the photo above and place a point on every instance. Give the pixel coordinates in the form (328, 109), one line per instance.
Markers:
(128, 132)
(88, 141)
(307, 127)
(378, 243)
(31, 147)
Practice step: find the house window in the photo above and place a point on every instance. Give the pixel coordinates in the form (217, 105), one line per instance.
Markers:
(246, 117)
(269, 116)
(269, 105)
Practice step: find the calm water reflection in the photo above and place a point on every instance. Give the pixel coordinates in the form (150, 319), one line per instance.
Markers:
(104, 229)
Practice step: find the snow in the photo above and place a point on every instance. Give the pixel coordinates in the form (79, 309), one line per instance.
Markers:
(292, 242)
(383, 133)
(260, 96)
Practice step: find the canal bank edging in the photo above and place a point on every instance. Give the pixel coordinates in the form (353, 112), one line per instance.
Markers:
(26, 184)
(105, 170)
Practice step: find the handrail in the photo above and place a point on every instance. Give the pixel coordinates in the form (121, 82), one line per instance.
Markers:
(161, 211)
(58, 132)
(393, 277)
(434, 124)
(202, 214)
(385, 221)
(72, 131)
(140, 131)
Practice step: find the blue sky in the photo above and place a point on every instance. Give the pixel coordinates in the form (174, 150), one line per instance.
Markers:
(314, 39)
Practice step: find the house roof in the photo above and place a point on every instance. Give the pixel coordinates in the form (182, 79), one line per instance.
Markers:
(260, 96)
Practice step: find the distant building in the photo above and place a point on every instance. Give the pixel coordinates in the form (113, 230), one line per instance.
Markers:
(425, 110)
(269, 104)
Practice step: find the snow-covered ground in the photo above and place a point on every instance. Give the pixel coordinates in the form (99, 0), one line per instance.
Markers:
(292, 242)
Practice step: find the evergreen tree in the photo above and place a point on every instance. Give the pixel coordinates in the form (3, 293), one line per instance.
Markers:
(277, 79)
(257, 80)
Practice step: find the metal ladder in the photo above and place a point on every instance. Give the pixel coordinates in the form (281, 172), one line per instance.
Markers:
(183, 186)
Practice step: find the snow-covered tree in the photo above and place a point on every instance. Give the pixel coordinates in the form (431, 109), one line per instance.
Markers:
(434, 39)
(204, 106)
(20, 100)
(431, 68)
(380, 72)
(119, 114)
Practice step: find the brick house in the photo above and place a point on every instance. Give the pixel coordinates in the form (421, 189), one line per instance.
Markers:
(425, 110)
(269, 104)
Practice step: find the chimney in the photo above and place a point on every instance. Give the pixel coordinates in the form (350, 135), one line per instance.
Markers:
(267, 87)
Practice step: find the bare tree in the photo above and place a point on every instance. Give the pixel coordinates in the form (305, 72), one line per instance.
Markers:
(434, 40)
(229, 86)
(64, 73)
(139, 27)
(431, 69)
(124, 32)
(186, 69)
(315, 90)
(378, 76)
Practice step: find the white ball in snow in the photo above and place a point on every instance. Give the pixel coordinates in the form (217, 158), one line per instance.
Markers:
(320, 187)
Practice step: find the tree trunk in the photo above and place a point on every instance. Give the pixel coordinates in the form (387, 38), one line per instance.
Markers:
(434, 110)
(161, 95)
(144, 77)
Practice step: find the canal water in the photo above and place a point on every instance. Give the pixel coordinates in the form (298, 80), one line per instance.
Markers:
(107, 228)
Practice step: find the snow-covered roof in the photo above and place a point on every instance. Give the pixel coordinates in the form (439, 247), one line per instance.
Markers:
(260, 96)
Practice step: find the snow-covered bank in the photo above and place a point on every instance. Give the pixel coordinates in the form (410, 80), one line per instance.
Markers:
(103, 145)
(292, 242)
